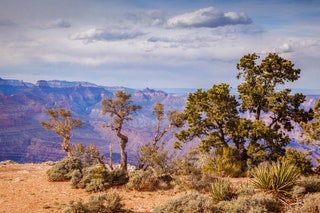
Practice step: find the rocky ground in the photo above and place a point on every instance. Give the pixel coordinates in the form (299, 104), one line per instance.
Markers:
(25, 188)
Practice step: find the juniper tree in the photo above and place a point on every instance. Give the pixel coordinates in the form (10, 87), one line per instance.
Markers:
(62, 123)
(120, 109)
(214, 115)
(275, 111)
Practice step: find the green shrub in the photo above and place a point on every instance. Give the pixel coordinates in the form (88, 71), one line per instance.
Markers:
(147, 180)
(95, 179)
(76, 178)
(255, 203)
(63, 170)
(310, 204)
(277, 179)
(76, 207)
(102, 179)
(117, 177)
(192, 202)
(107, 203)
(81, 179)
(221, 190)
(96, 185)
(142, 181)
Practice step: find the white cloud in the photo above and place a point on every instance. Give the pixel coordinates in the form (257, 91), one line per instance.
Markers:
(207, 17)
(96, 34)
(192, 49)
(150, 17)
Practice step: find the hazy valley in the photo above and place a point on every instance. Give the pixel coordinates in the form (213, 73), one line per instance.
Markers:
(23, 106)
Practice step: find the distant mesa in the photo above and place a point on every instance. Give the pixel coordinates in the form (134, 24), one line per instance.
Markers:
(42, 83)
(15, 83)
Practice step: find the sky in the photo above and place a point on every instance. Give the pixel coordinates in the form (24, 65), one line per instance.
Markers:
(155, 43)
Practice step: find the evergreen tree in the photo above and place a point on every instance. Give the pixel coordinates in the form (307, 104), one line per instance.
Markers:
(62, 123)
(274, 110)
(214, 115)
(120, 109)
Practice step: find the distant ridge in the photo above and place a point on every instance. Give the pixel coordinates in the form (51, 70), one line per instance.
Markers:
(68, 84)
(65, 84)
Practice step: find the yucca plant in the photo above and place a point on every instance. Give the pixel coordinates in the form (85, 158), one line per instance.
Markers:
(221, 190)
(277, 179)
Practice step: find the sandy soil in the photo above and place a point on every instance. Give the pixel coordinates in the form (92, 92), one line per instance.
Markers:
(24, 188)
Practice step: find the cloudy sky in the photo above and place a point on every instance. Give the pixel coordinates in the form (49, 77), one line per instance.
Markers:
(154, 43)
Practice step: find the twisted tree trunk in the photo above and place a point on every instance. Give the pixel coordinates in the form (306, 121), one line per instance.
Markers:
(123, 153)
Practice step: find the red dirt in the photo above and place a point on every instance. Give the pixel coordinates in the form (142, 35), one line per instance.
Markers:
(25, 188)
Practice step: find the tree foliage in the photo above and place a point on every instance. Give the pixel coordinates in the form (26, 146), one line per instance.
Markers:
(210, 115)
(312, 129)
(62, 123)
(274, 110)
(120, 109)
(216, 117)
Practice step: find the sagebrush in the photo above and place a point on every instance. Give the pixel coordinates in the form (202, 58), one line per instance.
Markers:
(97, 178)
(64, 169)
(192, 202)
(110, 202)
(253, 203)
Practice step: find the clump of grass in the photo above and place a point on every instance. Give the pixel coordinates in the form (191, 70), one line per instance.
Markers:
(277, 179)
(221, 190)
